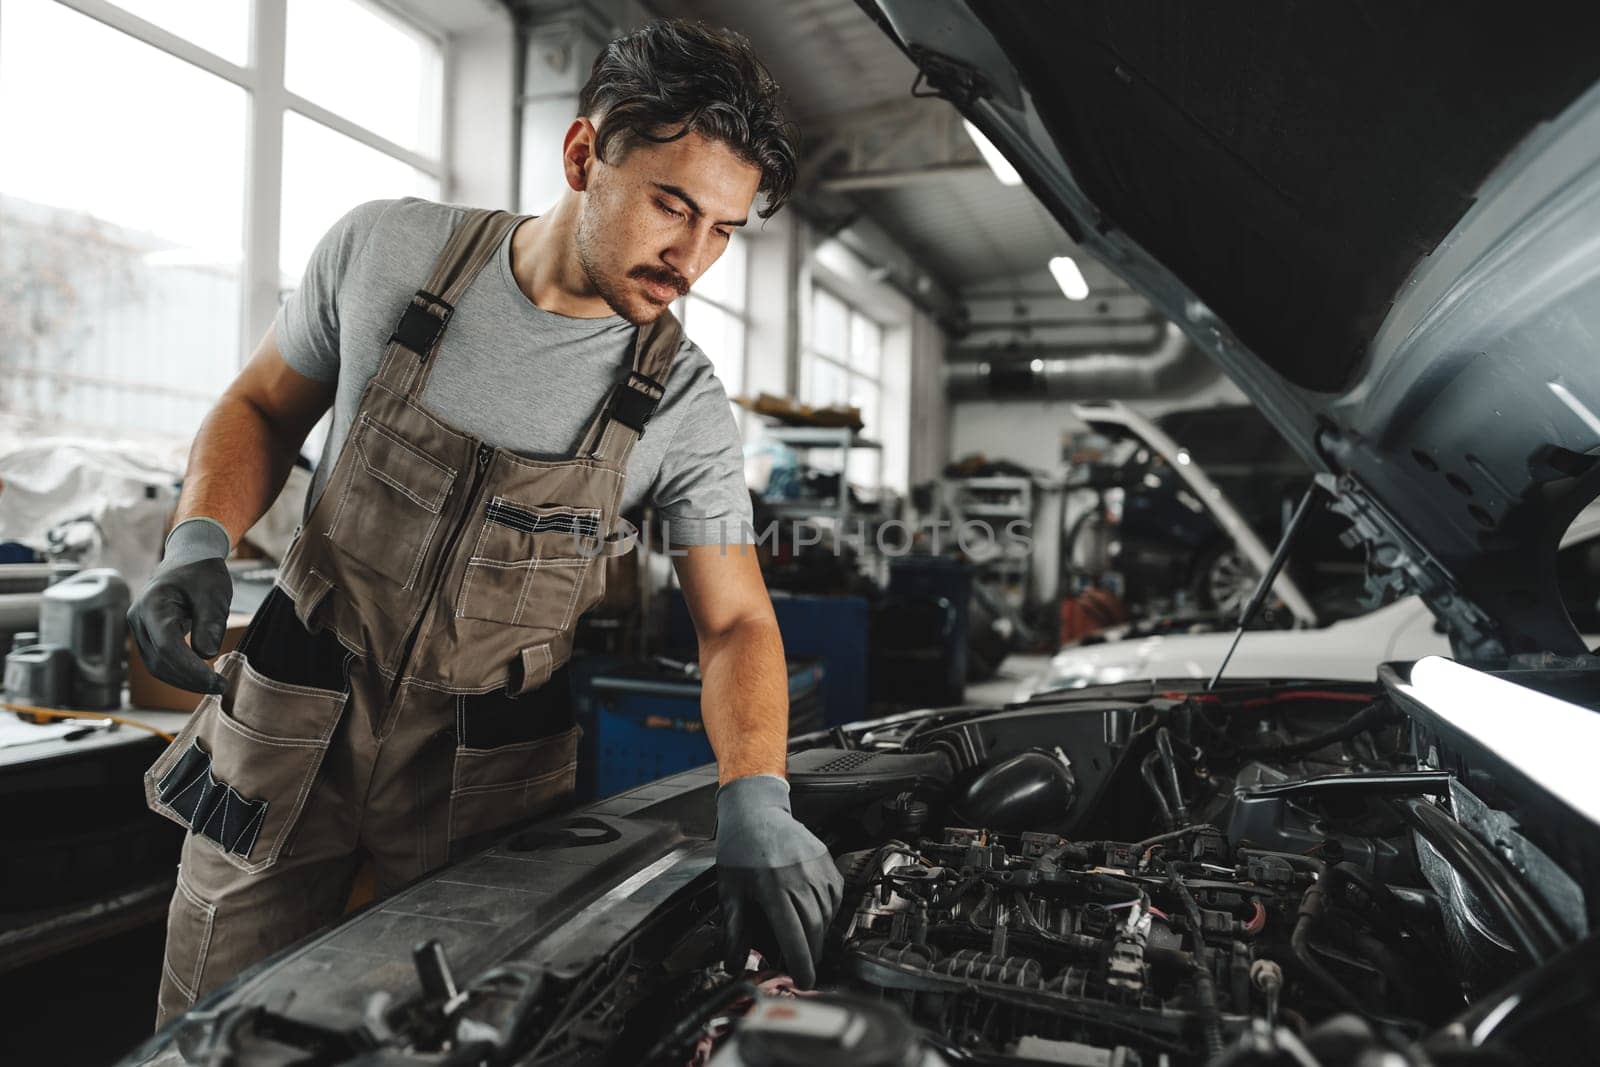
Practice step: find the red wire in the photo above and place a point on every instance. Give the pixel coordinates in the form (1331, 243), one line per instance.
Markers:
(1276, 698)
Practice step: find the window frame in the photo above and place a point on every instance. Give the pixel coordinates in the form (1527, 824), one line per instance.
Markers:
(844, 364)
(268, 101)
(740, 313)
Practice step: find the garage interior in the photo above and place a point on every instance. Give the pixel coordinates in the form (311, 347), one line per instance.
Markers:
(985, 469)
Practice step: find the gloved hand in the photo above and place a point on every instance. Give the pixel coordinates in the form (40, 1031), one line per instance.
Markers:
(767, 860)
(189, 592)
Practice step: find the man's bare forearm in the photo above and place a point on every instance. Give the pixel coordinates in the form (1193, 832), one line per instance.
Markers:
(237, 466)
(745, 698)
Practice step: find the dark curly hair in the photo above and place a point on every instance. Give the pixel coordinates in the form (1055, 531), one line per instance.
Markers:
(675, 77)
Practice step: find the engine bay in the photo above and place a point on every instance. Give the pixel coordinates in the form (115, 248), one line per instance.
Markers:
(1257, 875)
(1157, 881)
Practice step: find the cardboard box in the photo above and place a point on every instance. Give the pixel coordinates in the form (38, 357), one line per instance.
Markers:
(145, 690)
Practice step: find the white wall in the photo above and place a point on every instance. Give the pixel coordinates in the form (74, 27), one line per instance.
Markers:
(480, 99)
(1023, 431)
(774, 259)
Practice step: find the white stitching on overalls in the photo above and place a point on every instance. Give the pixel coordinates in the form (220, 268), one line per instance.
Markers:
(597, 478)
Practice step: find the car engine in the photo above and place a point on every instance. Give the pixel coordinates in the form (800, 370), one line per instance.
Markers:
(1257, 875)
(1195, 878)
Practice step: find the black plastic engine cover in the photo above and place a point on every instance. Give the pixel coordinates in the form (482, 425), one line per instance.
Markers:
(825, 780)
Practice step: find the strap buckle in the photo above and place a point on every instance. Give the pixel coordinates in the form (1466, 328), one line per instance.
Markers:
(420, 327)
(634, 401)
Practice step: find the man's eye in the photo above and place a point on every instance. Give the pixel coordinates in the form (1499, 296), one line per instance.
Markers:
(724, 234)
(670, 211)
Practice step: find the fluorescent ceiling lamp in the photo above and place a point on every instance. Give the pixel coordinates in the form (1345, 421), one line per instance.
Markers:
(991, 155)
(1069, 277)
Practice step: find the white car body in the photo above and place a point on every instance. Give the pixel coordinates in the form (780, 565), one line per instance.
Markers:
(1348, 650)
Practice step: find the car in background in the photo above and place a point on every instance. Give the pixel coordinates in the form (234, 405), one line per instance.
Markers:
(1184, 525)
(1347, 650)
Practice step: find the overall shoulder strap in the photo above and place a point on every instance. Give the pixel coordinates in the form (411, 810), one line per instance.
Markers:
(407, 360)
(621, 420)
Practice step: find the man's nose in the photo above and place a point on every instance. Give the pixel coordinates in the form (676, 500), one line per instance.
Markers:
(687, 255)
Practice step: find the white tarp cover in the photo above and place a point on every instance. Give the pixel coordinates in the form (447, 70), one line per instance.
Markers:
(108, 499)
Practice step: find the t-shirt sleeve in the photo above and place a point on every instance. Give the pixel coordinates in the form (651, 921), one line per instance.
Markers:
(307, 325)
(700, 490)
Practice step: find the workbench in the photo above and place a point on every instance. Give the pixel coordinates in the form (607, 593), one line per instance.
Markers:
(81, 857)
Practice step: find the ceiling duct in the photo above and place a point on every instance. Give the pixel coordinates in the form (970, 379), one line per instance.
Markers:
(1174, 365)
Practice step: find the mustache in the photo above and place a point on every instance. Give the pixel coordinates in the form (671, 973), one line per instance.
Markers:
(662, 276)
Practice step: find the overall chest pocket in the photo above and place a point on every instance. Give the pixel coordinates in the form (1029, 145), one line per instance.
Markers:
(390, 506)
(530, 564)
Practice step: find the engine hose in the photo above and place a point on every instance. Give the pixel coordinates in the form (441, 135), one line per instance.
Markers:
(1205, 990)
(1147, 771)
(1170, 761)
(1355, 889)
(1300, 944)
(1530, 923)
(1369, 717)
(1173, 835)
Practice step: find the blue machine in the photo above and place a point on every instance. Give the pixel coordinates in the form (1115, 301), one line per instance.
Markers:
(641, 720)
(920, 640)
(832, 629)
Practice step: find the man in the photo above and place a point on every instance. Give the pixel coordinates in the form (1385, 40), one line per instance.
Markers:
(402, 691)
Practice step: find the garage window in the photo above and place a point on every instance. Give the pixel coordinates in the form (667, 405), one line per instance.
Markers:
(843, 364)
(716, 317)
(169, 168)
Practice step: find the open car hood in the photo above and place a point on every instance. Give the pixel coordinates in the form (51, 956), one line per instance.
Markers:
(1384, 224)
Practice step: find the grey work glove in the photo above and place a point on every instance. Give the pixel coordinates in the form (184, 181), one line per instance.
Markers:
(189, 593)
(769, 865)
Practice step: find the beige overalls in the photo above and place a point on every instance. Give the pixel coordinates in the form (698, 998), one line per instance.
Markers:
(400, 693)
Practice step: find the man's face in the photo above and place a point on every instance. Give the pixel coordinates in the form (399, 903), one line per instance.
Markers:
(654, 219)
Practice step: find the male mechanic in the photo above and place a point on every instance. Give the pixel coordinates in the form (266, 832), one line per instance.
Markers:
(402, 691)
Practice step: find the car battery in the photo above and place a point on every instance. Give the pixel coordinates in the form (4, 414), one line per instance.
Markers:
(641, 720)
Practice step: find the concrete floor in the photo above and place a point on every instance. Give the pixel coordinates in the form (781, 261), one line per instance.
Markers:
(1002, 688)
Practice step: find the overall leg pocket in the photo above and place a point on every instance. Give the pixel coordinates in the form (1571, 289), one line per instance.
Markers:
(516, 757)
(239, 772)
(191, 921)
(530, 564)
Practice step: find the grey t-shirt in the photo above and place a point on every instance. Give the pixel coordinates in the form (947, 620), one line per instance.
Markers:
(507, 371)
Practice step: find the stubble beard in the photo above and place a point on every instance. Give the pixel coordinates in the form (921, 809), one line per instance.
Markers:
(637, 311)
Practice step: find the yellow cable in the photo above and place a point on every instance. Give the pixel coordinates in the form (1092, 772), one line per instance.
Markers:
(59, 713)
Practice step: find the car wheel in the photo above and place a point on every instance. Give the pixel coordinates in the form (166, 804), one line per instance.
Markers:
(1225, 581)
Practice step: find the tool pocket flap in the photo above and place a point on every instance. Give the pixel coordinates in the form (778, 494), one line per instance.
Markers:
(241, 769)
(209, 807)
(402, 467)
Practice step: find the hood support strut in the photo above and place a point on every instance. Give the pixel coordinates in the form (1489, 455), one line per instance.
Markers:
(1280, 556)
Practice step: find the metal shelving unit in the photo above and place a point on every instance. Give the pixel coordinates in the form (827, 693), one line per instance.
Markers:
(841, 439)
(995, 500)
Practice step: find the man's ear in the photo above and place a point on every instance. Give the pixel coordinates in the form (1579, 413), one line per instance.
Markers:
(577, 153)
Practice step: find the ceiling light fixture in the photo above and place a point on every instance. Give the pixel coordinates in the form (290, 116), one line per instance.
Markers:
(991, 155)
(1069, 277)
